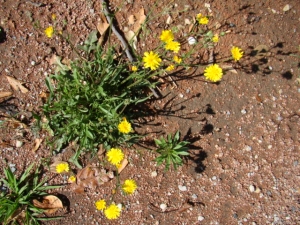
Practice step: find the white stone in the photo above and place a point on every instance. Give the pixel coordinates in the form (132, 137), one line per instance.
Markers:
(192, 41)
(163, 207)
(251, 188)
(182, 188)
(154, 174)
(287, 7)
(200, 218)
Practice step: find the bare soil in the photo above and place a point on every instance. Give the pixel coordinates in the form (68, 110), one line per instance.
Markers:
(244, 131)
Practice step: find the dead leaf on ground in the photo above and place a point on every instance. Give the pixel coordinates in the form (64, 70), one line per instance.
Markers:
(5, 94)
(50, 203)
(131, 20)
(131, 37)
(140, 19)
(124, 163)
(16, 85)
(229, 68)
(37, 143)
(102, 25)
(90, 178)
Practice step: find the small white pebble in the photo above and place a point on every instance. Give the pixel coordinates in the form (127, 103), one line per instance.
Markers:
(182, 188)
(180, 95)
(214, 178)
(192, 41)
(243, 111)
(251, 188)
(163, 207)
(200, 218)
(19, 144)
(286, 8)
(33, 63)
(154, 174)
(248, 148)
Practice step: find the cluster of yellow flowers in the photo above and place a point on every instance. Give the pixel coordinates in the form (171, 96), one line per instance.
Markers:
(113, 211)
(214, 72)
(62, 167)
(202, 19)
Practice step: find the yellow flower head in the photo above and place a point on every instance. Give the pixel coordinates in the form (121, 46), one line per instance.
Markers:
(124, 127)
(134, 68)
(112, 212)
(115, 156)
(213, 72)
(215, 38)
(49, 31)
(151, 60)
(177, 59)
(166, 36)
(203, 20)
(100, 204)
(170, 68)
(198, 16)
(72, 179)
(53, 16)
(236, 53)
(129, 186)
(173, 46)
(62, 167)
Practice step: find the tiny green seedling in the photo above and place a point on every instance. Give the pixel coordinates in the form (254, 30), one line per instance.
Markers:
(171, 150)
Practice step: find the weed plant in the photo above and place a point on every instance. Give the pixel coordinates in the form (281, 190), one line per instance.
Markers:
(16, 197)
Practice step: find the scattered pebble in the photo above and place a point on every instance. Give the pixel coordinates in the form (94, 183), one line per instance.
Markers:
(248, 148)
(296, 163)
(286, 8)
(163, 207)
(243, 111)
(200, 218)
(180, 95)
(182, 188)
(19, 144)
(194, 196)
(32, 63)
(12, 167)
(154, 174)
(251, 188)
(192, 41)
(214, 178)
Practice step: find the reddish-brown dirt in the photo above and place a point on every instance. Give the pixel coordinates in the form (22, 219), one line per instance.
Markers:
(244, 131)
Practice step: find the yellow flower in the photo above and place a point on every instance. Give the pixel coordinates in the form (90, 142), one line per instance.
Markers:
(112, 212)
(203, 20)
(134, 68)
(129, 186)
(53, 16)
(151, 60)
(72, 179)
(62, 167)
(170, 68)
(166, 36)
(173, 46)
(124, 126)
(213, 72)
(177, 59)
(236, 53)
(198, 16)
(215, 38)
(49, 31)
(115, 156)
(100, 204)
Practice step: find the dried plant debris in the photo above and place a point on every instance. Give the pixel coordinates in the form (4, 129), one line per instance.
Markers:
(90, 178)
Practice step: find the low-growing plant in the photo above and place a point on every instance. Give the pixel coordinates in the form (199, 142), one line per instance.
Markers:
(17, 195)
(89, 101)
(171, 150)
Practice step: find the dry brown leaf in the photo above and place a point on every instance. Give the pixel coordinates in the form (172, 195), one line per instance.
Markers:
(229, 68)
(5, 94)
(169, 20)
(37, 143)
(50, 203)
(130, 36)
(131, 20)
(141, 17)
(16, 85)
(124, 163)
(102, 26)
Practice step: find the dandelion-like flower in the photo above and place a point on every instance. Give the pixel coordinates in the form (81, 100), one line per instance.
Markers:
(213, 72)
(115, 156)
(173, 46)
(72, 179)
(177, 59)
(151, 60)
(100, 204)
(236, 53)
(166, 36)
(170, 68)
(53, 16)
(203, 20)
(134, 68)
(129, 186)
(62, 167)
(49, 31)
(215, 38)
(112, 212)
(124, 127)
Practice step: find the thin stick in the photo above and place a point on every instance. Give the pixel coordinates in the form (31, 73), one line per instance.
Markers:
(120, 37)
